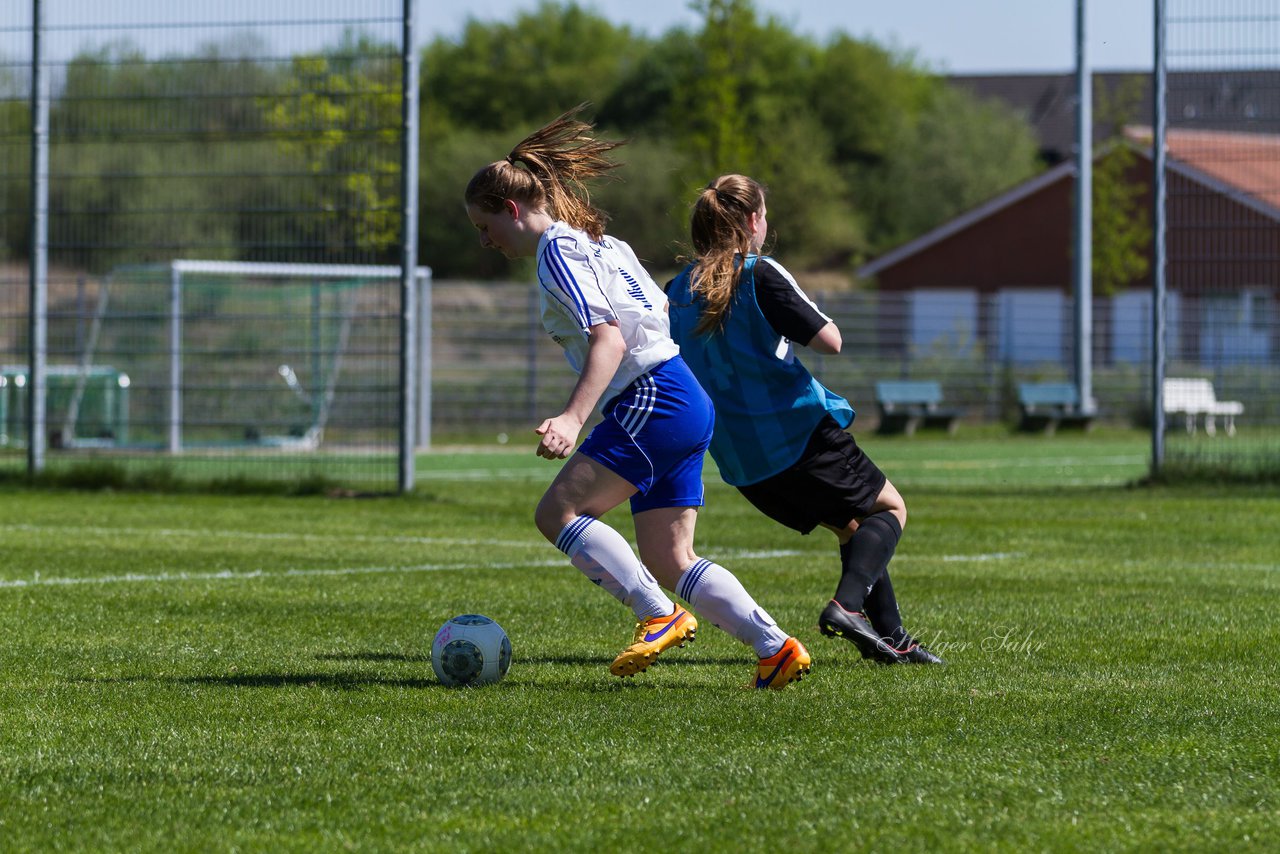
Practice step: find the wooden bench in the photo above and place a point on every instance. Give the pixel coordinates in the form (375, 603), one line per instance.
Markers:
(1194, 397)
(1045, 406)
(908, 404)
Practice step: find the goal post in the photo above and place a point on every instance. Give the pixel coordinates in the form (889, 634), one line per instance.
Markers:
(255, 359)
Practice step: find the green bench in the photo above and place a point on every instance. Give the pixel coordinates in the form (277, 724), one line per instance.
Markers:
(906, 405)
(1046, 406)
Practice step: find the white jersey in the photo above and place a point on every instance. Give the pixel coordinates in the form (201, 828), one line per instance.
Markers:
(585, 283)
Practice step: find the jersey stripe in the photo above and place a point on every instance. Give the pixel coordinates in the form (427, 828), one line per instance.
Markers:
(564, 279)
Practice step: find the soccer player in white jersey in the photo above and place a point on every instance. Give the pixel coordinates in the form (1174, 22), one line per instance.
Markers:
(601, 306)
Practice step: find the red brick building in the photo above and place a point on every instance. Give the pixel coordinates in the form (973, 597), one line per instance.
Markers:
(1003, 270)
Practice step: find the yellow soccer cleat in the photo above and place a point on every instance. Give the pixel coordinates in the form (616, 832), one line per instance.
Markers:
(653, 636)
(785, 666)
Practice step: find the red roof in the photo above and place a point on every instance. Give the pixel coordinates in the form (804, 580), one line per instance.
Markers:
(1249, 162)
(1022, 237)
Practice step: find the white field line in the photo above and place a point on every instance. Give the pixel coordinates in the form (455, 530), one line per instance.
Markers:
(212, 533)
(1260, 567)
(249, 575)
(1041, 462)
(39, 580)
(1023, 462)
(953, 482)
(259, 574)
(484, 474)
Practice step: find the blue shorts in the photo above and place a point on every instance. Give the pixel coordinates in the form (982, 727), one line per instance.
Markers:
(655, 435)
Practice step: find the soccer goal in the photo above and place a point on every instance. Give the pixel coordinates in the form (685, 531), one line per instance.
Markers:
(90, 404)
(251, 359)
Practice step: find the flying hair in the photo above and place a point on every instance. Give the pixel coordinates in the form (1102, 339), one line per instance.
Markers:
(721, 240)
(549, 167)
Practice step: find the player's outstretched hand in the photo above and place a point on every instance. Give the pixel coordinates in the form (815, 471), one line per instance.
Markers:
(559, 435)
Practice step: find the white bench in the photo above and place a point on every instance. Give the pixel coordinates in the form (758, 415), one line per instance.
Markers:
(1194, 397)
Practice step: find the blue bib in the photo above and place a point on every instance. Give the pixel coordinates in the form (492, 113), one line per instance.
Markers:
(767, 403)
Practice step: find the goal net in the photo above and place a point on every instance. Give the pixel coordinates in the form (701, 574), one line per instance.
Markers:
(258, 368)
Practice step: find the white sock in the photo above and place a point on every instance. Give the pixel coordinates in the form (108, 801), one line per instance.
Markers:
(606, 558)
(716, 593)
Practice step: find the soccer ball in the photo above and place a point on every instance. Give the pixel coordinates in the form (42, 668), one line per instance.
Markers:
(470, 649)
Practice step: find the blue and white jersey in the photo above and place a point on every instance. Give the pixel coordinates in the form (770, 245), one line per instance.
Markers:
(583, 283)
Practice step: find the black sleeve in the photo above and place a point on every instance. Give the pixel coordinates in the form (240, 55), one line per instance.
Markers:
(791, 314)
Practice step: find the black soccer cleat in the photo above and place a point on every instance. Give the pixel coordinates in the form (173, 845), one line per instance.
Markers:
(916, 654)
(835, 621)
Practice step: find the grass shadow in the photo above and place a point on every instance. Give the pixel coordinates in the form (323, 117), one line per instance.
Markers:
(372, 656)
(328, 681)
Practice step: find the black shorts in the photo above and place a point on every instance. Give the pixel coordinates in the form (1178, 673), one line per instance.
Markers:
(833, 482)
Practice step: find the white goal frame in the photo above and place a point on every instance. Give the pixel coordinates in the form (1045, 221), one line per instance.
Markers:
(415, 351)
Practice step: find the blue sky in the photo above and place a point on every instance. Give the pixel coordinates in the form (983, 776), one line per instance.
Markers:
(968, 36)
(958, 36)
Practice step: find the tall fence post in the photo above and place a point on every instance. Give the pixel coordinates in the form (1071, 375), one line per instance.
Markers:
(426, 367)
(1158, 225)
(38, 304)
(1084, 217)
(408, 247)
(175, 358)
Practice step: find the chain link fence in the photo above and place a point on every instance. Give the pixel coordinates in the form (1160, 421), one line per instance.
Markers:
(225, 197)
(496, 372)
(1223, 238)
(268, 134)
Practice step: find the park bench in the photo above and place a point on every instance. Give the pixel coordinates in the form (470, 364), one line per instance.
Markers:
(908, 404)
(1194, 397)
(1047, 405)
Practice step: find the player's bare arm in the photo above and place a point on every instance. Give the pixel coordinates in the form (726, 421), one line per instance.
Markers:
(827, 340)
(604, 354)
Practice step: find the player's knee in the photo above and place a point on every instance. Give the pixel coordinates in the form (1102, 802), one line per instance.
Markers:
(666, 566)
(891, 500)
(551, 516)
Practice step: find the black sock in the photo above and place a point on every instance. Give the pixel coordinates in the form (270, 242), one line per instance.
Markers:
(882, 610)
(863, 559)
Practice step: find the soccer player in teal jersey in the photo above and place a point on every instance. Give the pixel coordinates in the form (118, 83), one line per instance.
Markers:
(780, 435)
(600, 305)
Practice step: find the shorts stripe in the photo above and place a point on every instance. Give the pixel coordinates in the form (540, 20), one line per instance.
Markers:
(571, 532)
(692, 576)
(642, 407)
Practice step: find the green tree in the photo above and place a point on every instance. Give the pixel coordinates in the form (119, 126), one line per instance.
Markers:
(1121, 220)
(15, 163)
(866, 97)
(338, 115)
(132, 151)
(858, 145)
(958, 153)
(448, 242)
(524, 73)
(714, 105)
(742, 108)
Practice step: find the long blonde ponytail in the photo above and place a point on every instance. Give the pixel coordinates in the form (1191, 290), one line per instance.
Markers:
(721, 234)
(557, 159)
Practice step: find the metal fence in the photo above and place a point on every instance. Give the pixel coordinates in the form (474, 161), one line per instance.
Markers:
(496, 372)
(1222, 234)
(281, 133)
(269, 133)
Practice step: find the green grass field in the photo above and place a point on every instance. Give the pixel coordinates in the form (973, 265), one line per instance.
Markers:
(185, 672)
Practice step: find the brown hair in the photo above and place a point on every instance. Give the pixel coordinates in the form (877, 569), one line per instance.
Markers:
(557, 158)
(722, 240)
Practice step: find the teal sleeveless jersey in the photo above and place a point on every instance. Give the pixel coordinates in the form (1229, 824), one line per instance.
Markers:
(767, 403)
